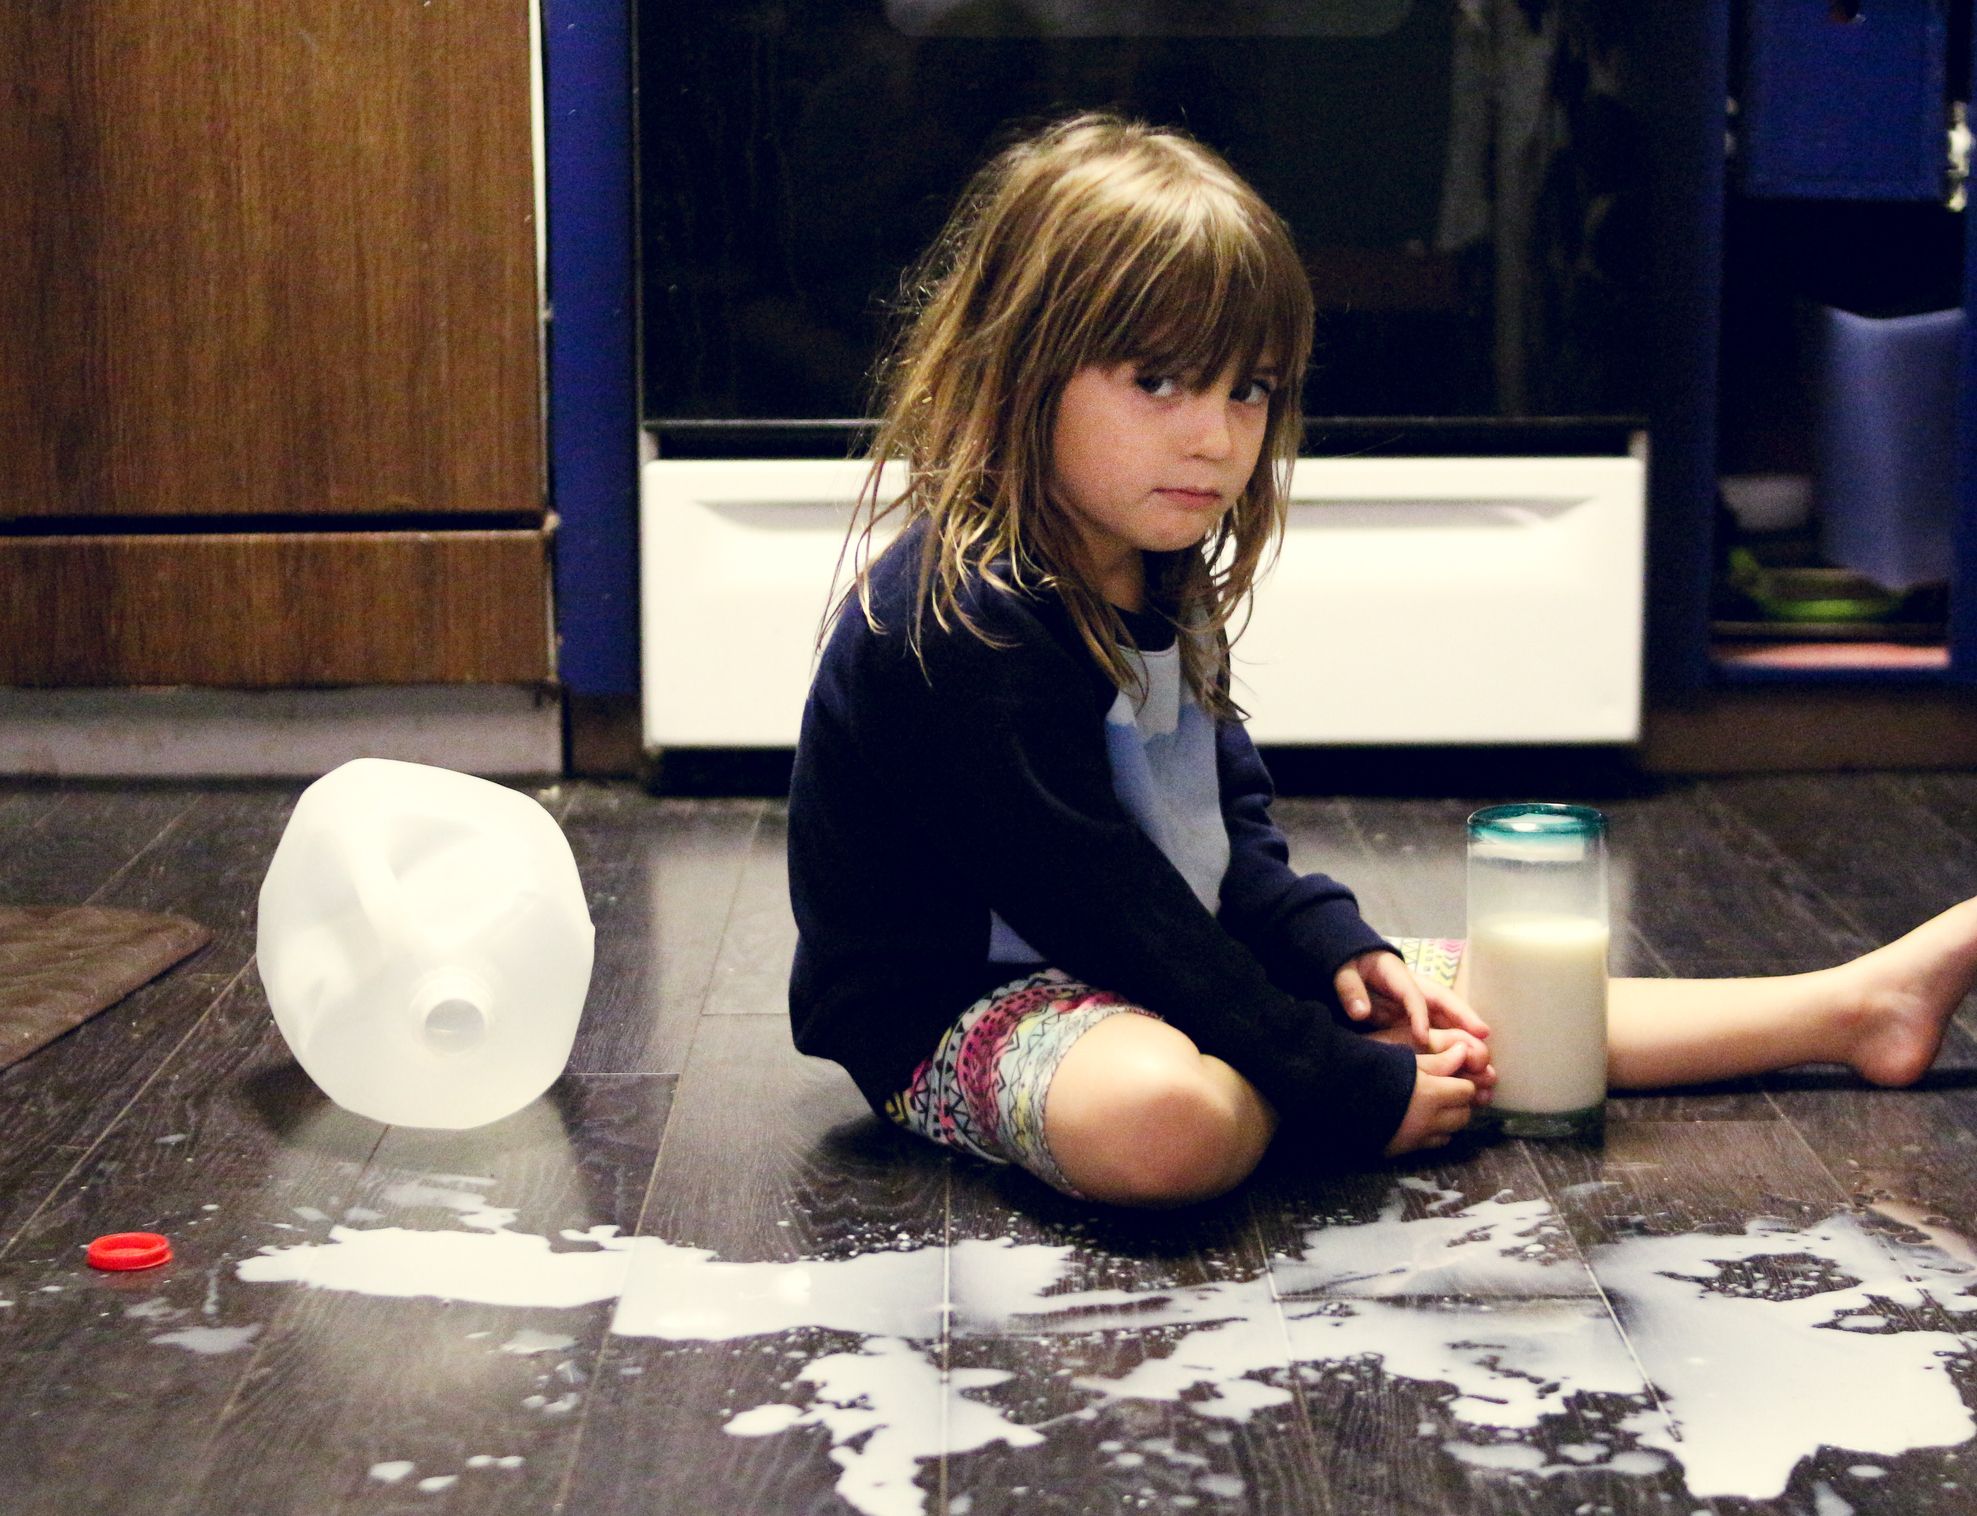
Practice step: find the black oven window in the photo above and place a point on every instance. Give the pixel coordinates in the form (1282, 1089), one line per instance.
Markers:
(1462, 177)
(1146, 18)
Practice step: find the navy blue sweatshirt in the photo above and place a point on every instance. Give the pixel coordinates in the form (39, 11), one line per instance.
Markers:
(923, 799)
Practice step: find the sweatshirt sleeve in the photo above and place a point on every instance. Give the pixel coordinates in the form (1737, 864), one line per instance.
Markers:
(1019, 728)
(1303, 927)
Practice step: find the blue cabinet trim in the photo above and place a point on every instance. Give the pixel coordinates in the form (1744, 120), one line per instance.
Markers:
(592, 354)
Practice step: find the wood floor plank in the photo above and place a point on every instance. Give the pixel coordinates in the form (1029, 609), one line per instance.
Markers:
(1687, 892)
(1715, 900)
(1883, 852)
(1100, 1451)
(1870, 848)
(1463, 1245)
(1951, 796)
(228, 1122)
(1662, 1181)
(470, 1406)
(1908, 1161)
(1325, 838)
(751, 973)
(1418, 846)
(770, 1159)
(1659, 1177)
(18, 805)
(1916, 1146)
(1769, 844)
(212, 871)
(773, 1161)
(136, 1369)
(1731, 1100)
(74, 841)
(661, 877)
(222, 1150)
(1298, 1217)
(54, 1104)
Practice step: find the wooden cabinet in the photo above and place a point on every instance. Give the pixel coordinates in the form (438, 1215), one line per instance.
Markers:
(270, 385)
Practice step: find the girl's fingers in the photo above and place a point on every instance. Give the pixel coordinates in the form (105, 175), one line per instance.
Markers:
(1475, 1052)
(1352, 993)
(1443, 1063)
(1450, 1009)
(1417, 1011)
(1453, 1112)
(1398, 981)
(1479, 1054)
(1441, 1107)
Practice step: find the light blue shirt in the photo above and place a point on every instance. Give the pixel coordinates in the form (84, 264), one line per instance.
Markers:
(1161, 748)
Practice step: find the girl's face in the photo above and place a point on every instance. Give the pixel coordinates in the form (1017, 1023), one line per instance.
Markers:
(1148, 462)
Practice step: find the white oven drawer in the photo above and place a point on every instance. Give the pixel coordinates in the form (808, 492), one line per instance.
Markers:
(1452, 600)
(1417, 600)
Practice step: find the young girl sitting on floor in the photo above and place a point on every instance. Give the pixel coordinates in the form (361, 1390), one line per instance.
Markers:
(1044, 915)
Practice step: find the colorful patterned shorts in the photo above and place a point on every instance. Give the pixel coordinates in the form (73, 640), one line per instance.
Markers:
(984, 1088)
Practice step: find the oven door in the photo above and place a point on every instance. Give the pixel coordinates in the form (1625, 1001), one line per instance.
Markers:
(1466, 182)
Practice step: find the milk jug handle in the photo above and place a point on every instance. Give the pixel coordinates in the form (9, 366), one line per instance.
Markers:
(379, 894)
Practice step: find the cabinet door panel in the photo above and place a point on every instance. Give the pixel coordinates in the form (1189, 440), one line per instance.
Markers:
(258, 610)
(268, 259)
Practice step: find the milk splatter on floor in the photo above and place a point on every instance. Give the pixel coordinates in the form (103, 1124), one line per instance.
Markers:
(1760, 1346)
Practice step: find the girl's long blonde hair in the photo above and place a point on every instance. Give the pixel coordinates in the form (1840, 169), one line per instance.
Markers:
(1097, 241)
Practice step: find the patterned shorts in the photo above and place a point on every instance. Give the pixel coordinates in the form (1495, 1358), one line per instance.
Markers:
(984, 1088)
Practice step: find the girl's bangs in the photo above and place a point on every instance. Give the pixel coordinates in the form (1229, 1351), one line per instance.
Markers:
(1219, 300)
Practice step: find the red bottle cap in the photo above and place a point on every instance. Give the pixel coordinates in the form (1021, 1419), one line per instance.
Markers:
(129, 1250)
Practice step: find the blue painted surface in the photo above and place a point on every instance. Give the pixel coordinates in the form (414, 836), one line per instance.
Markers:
(1690, 40)
(1844, 109)
(593, 386)
(1963, 577)
(1894, 71)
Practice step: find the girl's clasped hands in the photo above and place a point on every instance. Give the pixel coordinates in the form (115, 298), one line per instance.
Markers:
(1450, 1041)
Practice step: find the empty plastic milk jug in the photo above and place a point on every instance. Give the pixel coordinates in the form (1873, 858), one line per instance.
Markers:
(424, 943)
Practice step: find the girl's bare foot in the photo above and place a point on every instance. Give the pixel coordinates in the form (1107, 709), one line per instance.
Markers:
(1904, 993)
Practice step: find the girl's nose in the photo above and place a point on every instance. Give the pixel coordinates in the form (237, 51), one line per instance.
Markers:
(1209, 419)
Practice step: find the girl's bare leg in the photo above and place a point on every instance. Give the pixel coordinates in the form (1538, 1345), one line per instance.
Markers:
(1882, 1014)
(1137, 1115)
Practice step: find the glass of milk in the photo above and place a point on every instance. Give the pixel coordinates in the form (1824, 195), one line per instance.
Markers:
(1537, 963)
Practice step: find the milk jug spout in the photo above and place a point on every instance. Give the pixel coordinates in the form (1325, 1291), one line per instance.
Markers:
(424, 943)
(452, 1009)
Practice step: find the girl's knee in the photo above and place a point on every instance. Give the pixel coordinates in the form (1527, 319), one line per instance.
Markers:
(1157, 1126)
(1186, 1144)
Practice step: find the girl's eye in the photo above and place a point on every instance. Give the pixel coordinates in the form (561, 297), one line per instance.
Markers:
(1255, 391)
(1159, 386)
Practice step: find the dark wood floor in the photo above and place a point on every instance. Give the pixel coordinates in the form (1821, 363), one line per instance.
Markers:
(1177, 1362)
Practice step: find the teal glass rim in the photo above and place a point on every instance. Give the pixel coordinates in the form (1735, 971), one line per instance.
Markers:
(1536, 820)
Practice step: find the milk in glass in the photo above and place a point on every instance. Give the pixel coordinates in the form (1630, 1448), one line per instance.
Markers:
(1538, 938)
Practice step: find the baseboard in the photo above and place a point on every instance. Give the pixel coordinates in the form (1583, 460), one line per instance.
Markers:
(606, 741)
(1776, 730)
(511, 731)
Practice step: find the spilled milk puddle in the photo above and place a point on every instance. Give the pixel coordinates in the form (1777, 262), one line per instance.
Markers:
(1745, 1353)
